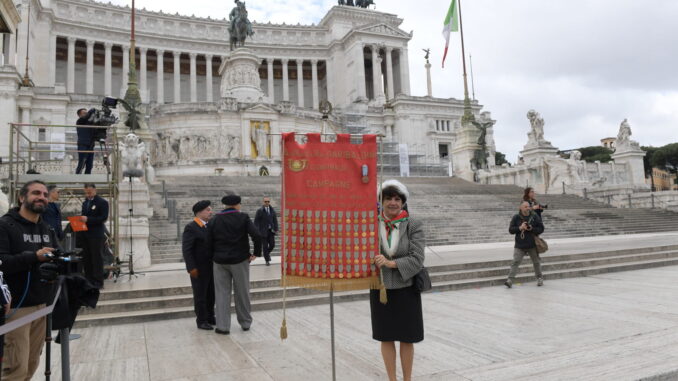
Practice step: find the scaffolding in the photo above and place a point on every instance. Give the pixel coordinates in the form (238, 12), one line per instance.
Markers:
(29, 144)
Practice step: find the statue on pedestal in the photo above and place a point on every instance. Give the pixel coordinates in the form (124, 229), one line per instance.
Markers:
(260, 138)
(536, 134)
(624, 142)
(240, 26)
(133, 157)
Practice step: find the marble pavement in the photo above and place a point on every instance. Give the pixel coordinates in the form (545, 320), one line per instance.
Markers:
(617, 326)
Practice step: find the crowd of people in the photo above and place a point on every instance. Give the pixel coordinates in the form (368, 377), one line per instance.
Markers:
(218, 248)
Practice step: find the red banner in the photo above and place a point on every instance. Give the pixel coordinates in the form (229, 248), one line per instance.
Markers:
(330, 222)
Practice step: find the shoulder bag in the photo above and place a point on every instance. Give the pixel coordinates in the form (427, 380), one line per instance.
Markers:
(421, 281)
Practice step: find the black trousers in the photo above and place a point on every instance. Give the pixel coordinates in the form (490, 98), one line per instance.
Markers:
(85, 160)
(269, 244)
(203, 294)
(93, 259)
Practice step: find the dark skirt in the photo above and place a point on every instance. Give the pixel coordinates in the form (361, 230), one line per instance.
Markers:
(400, 319)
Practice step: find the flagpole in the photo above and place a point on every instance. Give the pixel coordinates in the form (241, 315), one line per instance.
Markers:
(468, 115)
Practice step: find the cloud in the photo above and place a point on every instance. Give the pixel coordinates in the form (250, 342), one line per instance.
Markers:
(584, 65)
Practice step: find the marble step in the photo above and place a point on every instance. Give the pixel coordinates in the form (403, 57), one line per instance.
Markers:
(92, 319)
(178, 300)
(123, 306)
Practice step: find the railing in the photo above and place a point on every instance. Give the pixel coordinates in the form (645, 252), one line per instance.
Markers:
(22, 164)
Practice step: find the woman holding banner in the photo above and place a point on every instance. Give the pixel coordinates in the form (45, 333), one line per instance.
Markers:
(401, 258)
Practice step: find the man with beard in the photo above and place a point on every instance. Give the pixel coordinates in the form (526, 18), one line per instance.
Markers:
(25, 242)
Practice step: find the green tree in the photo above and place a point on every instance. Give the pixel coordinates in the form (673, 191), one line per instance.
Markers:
(499, 158)
(647, 163)
(666, 157)
(594, 153)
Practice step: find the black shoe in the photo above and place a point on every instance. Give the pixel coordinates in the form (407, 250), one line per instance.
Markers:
(212, 321)
(245, 329)
(268, 263)
(508, 283)
(205, 326)
(222, 332)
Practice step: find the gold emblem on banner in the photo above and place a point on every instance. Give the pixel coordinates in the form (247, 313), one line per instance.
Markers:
(297, 165)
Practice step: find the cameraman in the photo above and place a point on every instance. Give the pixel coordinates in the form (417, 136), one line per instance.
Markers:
(25, 242)
(85, 141)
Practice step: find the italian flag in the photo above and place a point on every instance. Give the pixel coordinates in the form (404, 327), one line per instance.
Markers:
(451, 25)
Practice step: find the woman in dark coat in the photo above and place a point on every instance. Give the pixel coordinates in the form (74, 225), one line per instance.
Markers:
(401, 258)
(529, 196)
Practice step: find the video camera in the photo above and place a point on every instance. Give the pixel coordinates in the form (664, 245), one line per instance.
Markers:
(59, 263)
(103, 117)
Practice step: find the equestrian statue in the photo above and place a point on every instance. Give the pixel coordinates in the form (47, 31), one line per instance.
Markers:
(240, 26)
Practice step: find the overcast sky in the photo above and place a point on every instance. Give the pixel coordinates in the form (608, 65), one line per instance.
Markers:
(585, 65)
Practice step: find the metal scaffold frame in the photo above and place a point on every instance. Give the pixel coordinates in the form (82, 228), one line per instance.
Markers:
(23, 149)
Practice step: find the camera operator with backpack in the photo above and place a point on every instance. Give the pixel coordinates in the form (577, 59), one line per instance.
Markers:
(25, 243)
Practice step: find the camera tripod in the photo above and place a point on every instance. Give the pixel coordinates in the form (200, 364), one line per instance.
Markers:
(130, 254)
(104, 154)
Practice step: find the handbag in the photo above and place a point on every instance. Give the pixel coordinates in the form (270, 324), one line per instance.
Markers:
(541, 244)
(422, 281)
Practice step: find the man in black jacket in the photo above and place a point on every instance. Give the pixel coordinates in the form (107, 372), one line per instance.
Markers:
(94, 214)
(267, 222)
(525, 225)
(199, 264)
(229, 245)
(85, 142)
(25, 242)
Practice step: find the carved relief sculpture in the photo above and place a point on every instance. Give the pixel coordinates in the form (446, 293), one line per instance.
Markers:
(132, 154)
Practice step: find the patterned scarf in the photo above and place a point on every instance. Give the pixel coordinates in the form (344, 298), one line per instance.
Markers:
(392, 224)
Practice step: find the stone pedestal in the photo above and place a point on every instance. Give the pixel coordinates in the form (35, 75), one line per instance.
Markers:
(240, 77)
(464, 150)
(635, 169)
(534, 154)
(136, 227)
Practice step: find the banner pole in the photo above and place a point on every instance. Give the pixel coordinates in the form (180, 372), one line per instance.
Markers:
(334, 365)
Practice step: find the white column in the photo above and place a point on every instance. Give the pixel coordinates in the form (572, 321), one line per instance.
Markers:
(143, 80)
(360, 70)
(329, 80)
(70, 68)
(389, 73)
(314, 77)
(208, 79)
(300, 83)
(125, 70)
(404, 72)
(89, 89)
(271, 87)
(107, 68)
(11, 51)
(376, 72)
(286, 84)
(160, 85)
(26, 117)
(177, 77)
(194, 79)
(52, 60)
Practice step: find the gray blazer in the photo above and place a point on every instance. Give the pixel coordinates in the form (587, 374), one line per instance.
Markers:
(409, 257)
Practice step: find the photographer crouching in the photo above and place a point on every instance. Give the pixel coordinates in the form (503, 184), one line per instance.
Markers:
(25, 242)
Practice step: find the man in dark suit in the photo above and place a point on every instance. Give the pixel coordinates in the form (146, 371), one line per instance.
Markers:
(85, 142)
(267, 222)
(199, 264)
(94, 214)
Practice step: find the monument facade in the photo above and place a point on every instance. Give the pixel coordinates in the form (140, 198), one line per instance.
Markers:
(206, 104)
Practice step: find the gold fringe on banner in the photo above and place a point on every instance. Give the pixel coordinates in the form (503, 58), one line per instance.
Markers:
(336, 284)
